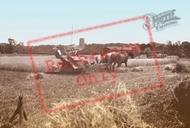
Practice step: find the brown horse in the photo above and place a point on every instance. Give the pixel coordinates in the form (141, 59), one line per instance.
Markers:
(117, 57)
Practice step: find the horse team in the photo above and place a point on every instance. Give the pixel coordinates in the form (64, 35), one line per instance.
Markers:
(111, 59)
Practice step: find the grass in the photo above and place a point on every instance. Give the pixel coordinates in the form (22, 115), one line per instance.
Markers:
(106, 114)
(142, 110)
(23, 63)
(62, 90)
(129, 111)
(149, 62)
(183, 66)
(14, 62)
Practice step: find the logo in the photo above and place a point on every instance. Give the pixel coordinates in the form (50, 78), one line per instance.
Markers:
(161, 21)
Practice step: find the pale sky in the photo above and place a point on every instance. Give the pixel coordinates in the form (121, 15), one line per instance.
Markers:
(27, 20)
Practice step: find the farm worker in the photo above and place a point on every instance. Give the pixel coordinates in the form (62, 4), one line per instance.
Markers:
(58, 55)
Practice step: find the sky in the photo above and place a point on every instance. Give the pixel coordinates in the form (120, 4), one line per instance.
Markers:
(27, 20)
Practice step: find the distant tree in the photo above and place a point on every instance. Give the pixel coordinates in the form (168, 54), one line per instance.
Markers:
(176, 50)
(169, 47)
(21, 44)
(160, 48)
(168, 42)
(143, 46)
(15, 47)
(148, 52)
(185, 47)
(178, 43)
(10, 47)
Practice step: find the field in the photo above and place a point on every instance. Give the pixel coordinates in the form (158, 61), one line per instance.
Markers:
(141, 110)
(14, 63)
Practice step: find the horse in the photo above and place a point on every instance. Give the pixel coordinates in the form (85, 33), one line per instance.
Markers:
(106, 58)
(113, 58)
(100, 59)
(124, 56)
(119, 58)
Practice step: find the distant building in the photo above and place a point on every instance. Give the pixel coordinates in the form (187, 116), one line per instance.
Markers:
(81, 43)
(75, 48)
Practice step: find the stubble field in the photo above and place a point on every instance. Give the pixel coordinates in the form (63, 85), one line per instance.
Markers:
(140, 110)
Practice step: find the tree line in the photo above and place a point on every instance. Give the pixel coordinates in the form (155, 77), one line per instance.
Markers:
(181, 49)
